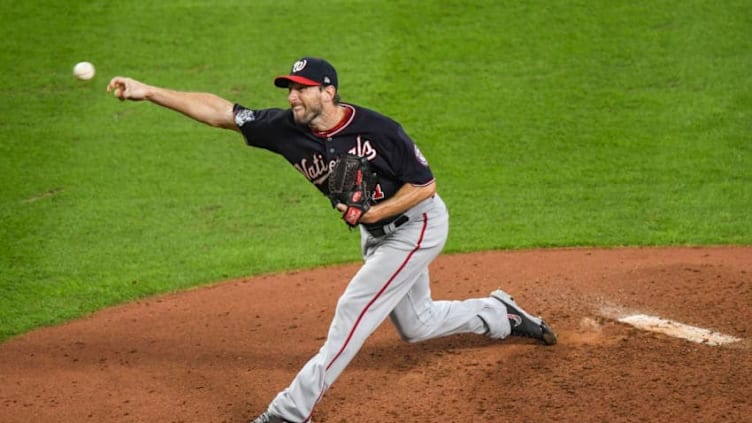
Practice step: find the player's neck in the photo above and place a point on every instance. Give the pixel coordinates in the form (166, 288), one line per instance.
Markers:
(329, 118)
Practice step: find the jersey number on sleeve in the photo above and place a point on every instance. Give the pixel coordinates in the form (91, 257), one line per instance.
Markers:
(378, 194)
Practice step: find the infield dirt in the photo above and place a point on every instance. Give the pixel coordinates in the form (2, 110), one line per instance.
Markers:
(220, 353)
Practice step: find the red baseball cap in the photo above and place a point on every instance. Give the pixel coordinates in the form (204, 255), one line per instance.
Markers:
(309, 71)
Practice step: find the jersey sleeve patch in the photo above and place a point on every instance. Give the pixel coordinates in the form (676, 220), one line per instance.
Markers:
(243, 116)
(421, 159)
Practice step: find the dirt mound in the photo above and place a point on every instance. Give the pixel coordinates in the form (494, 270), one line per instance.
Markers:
(220, 354)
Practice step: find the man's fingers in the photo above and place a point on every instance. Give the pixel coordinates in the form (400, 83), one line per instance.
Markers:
(118, 91)
(113, 83)
(118, 87)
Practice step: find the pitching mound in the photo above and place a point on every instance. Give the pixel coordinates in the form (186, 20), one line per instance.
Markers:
(220, 354)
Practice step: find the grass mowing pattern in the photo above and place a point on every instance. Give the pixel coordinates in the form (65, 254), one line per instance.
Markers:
(564, 124)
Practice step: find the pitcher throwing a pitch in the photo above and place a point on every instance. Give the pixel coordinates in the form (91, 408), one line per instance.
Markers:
(376, 176)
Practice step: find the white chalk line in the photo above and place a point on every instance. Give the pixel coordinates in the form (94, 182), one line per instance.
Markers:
(670, 327)
(678, 329)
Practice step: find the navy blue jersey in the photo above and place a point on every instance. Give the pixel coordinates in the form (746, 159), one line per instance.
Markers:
(392, 154)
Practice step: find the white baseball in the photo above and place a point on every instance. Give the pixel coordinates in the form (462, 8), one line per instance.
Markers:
(84, 71)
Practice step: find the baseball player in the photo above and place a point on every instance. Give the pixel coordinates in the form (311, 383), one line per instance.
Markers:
(403, 222)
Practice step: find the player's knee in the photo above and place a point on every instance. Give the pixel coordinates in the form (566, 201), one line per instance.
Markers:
(411, 333)
(409, 338)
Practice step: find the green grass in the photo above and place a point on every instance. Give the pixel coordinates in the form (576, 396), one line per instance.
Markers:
(547, 124)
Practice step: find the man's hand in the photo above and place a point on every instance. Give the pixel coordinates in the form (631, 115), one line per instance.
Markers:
(365, 218)
(350, 187)
(127, 89)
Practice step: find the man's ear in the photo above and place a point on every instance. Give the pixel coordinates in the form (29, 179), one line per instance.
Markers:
(330, 91)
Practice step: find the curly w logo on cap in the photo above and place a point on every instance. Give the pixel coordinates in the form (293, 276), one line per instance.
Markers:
(309, 71)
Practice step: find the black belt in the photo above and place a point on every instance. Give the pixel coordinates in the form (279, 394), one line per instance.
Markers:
(378, 231)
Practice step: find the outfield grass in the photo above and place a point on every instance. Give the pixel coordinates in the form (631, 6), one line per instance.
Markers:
(547, 124)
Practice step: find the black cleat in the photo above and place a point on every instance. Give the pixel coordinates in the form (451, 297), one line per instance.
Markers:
(524, 324)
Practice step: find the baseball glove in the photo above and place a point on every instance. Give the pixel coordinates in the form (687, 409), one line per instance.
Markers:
(351, 183)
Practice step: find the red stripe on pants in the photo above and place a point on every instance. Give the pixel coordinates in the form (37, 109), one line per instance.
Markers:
(381, 291)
